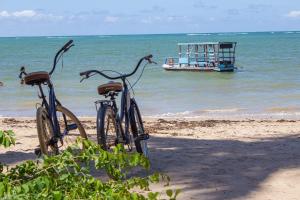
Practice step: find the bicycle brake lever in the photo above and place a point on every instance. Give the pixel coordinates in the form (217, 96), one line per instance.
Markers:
(22, 71)
(82, 79)
(149, 60)
(85, 77)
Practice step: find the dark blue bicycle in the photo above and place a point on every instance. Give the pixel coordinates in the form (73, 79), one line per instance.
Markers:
(126, 126)
(57, 127)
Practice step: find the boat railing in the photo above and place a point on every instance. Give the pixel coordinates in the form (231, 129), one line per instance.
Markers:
(171, 61)
(200, 61)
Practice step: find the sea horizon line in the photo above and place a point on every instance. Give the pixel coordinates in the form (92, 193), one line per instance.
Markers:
(142, 34)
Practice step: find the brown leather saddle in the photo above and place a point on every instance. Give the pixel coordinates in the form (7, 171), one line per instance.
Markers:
(35, 78)
(110, 87)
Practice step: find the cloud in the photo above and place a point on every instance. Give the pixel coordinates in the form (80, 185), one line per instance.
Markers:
(294, 14)
(201, 4)
(23, 13)
(111, 19)
(154, 9)
(4, 14)
(233, 11)
(150, 19)
(163, 19)
(258, 8)
(29, 15)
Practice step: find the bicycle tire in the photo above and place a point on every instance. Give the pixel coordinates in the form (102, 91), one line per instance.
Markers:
(107, 134)
(43, 123)
(137, 128)
(45, 132)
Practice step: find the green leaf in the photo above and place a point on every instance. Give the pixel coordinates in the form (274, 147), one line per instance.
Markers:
(63, 177)
(153, 196)
(57, 195)
(7, 138)
(169, 193)
(25, 188)
(2, 189)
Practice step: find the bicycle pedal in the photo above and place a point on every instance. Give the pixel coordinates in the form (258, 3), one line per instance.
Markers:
(71, 127)
(38, 152)
(142, 137)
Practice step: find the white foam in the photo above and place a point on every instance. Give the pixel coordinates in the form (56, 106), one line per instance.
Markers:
(222, 110)
(57, 37)
(170, 115)
(200, 34)
(226, 114)
(104, 36)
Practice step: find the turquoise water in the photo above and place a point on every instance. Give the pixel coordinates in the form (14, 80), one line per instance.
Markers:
(267, 81)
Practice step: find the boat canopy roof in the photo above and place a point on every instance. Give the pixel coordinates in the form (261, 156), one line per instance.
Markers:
(204, 43)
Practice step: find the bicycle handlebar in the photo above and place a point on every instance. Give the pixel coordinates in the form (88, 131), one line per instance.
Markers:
(67, 44)
(87, 73)
(64, 49)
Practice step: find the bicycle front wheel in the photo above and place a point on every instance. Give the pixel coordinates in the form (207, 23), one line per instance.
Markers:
(108, 130)
(45, 132)
(137, 128)
(70, 128)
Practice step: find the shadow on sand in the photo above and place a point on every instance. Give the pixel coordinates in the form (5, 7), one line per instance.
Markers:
(14, 157)
(213, 169)
(222, 169)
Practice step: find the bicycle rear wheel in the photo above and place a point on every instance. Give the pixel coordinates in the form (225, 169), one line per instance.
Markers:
(108, 130)
(45, 132)
(70, 127)
(137, 128)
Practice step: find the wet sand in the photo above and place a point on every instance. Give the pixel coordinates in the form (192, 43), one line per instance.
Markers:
(207, 159)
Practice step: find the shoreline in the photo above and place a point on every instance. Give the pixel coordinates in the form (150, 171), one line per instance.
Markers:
(171, 116)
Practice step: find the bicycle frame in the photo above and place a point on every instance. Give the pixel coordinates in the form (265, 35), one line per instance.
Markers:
(51, 108)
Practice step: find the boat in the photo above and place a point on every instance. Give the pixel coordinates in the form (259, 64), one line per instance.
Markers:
(203, 56)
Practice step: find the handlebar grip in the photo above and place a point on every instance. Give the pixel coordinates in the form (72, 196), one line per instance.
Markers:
(148, 57)
(67, 44)
(84, 73)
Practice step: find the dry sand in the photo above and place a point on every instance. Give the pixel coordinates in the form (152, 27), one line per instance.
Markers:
(207, 159)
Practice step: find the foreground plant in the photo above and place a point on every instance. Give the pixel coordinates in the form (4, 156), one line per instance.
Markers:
(67, 176)
(7, 138)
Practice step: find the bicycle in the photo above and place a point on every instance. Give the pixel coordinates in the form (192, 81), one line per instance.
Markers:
(112, 125)
(52, 117)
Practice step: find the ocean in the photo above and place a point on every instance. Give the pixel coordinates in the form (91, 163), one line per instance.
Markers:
(266, 83)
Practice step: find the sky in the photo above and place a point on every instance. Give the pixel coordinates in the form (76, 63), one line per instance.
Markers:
(110, 17)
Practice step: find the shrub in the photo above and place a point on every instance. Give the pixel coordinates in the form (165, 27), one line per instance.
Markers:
(67, 176)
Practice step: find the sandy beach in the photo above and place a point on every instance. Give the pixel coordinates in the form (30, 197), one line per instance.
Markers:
(207, 159)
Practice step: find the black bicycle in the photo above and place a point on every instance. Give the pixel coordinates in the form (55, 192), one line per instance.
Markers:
(57, 127)
(126, 126)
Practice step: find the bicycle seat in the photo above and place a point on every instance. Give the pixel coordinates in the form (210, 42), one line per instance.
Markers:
(110, 87)
(36, 78)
